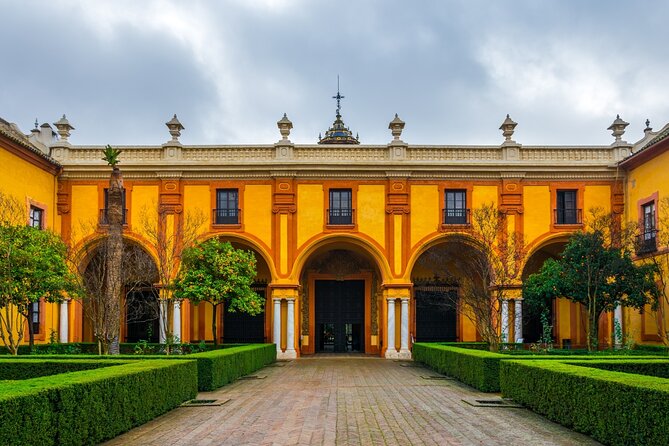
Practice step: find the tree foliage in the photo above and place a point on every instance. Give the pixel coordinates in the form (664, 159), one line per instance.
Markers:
(32, 267)
(214, 271)
(596, 274)
(110, 155)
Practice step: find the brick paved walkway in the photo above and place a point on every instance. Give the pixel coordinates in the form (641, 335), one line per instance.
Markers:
(367, 401)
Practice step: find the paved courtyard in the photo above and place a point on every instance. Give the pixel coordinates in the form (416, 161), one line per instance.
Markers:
(348, 400)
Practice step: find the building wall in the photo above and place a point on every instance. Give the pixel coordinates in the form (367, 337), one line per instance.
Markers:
(646, 184)
(32, 180)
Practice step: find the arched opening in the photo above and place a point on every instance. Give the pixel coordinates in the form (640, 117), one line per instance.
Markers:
(340, 300)
(140, 314)
(533, 326)
(438, 276)
(235, 327)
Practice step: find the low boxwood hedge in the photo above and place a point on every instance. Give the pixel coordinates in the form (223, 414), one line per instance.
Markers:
(220, 367)
(91, 406)
(480, 369)
(614, 408)
(16, 369)
(215, 368)
(477, 368)
(649, 367)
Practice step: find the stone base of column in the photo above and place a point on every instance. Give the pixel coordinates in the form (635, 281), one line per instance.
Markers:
(288, 354)
(394, 354)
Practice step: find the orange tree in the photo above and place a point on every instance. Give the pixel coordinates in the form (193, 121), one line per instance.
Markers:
(32, 267)
(598, 276)
(214, 271)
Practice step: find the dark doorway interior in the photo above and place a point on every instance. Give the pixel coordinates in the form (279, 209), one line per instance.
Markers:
(532, 325)
(340, 316)
(242, 328)
(142, 315)
(436, 313)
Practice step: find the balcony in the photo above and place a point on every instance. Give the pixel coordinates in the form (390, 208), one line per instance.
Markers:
(104, 217)
(456, 217)
(226, 216)
(568, 216)
(646, 242)
(338, 217)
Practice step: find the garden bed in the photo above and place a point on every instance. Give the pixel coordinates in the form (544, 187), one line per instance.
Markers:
(90, 406)
(613, 407)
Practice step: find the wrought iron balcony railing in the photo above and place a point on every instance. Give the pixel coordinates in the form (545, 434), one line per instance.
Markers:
(568, 216)
(226, 216)
(456, 217)
(340, 216)
(646, 242)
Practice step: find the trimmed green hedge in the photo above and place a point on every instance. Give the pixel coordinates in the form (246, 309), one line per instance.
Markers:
(220, 367)
(215, 368)
(614, 408)
(91, 406)
(17, 369)
(480, 369)
(658, 368)
(91, 348)
(477, 368)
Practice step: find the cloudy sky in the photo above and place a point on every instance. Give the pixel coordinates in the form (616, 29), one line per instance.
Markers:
(452, 69)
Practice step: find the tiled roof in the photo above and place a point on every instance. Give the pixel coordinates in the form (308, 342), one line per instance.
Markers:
(11, 133)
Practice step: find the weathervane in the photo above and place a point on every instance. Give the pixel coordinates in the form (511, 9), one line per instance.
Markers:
(339, 97)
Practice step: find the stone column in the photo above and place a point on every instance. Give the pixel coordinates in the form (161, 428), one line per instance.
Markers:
(290, 331)
(277, 325)
(162, 319)
(176, 321)
(618, 316)
(64, 329)
(518, 321)
(404, 329)
(391, 352)
(505, 321)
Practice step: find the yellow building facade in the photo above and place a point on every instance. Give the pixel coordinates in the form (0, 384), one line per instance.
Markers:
(359, 247)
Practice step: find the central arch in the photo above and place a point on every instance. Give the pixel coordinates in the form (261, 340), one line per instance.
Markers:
(340, 281)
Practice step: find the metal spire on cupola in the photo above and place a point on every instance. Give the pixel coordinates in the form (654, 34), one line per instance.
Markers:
(338, 133)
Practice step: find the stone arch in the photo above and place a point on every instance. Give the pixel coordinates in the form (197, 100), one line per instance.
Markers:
(236, 327)
(358, 244)
(547, 248)
(241, 241)
(438, 239)
(340, 281)
(139, 319)
(437, 272)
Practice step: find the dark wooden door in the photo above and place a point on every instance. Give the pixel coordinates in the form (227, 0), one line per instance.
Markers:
(340, 316)
(436, 313)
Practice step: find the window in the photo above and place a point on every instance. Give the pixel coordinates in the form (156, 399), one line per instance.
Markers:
(36, 217)
(35, 316)
(566, 212)
(647, 242)
(455, 207)
(104, 220)
(341, 209)
(227, 207)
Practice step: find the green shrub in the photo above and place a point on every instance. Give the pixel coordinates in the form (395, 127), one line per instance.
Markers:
(480, 369)
(219, 367)
(91, 406)
(15, 369)
(655, 349)
(216, 368)
(614, 408)
(657, 368)
(477, 368)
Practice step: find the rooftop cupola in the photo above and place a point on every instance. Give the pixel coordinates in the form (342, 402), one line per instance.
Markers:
(338, 133)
